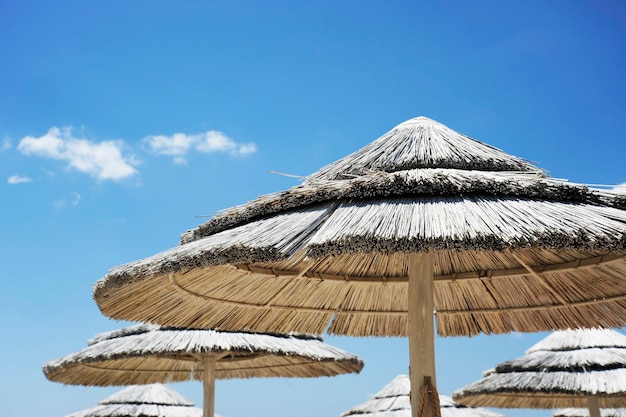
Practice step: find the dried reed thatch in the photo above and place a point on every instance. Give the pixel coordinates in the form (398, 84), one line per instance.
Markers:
(155, 400)
(393, 401)
(487, 240)
(144, 354)
(584, 412)
(513, 249)
(567, 369)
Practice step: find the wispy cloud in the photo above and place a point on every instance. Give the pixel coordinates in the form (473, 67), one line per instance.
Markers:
(18, 179)
(6, 144)
(180, 144)
(62, 203)
(102, 160)
(75, 199)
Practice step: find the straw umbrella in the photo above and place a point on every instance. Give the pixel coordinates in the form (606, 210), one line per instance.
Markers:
(154, 400)
(584, 412)
(393, 401)
(145, 354)
(570, 368)
(423, 219)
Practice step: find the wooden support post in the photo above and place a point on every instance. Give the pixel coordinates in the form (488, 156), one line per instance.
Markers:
(592, 404)
(208, 374)
(421, 327)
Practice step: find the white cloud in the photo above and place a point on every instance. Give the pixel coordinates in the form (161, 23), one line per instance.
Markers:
(102, 160)
(179, 144)
(176, 145)
(213, 141)
(18, 179)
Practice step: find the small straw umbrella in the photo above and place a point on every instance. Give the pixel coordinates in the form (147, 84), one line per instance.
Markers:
(393, 401)
(584, 412)
(570, 368)
(424, 219)
(144, 354)
(154, 400)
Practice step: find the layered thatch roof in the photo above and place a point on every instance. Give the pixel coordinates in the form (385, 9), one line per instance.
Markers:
(513, 249)
(155, 400)
(146, 354)
(584, 412)
(563, 370)
(393, 401)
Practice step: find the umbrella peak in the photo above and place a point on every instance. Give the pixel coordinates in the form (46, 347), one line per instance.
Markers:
(575, 339)
(394, 398)
(158, 394)
(421, 142)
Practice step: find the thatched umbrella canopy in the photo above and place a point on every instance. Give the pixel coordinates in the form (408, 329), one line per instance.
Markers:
(575, 368)
(422, 219)
(145, 354)
(155, 400)
(393, 401)
(584, 412)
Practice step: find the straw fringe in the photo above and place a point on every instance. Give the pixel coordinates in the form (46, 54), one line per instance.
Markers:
(285, 303)
(513, 390)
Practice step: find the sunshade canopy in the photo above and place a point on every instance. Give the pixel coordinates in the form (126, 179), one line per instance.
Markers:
(154, 400)
(144, 354)
(512, 248)
(563, 370)
(393, 401)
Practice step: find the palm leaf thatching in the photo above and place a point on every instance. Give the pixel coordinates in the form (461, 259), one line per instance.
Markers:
(424, 219)
(145, 354)
(566, 369)
(584, 412)
(155, 400)
(393, 401)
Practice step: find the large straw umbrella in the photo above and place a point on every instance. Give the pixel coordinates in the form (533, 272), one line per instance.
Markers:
(570, 368)
(422, 219)
(393, 401)
(154, 400)
(144, 354)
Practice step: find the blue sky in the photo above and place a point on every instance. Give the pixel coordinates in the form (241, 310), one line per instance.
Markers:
(123, 124)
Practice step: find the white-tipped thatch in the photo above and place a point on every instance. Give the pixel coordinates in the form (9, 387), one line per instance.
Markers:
(563, 370)
(393, 401)
(145, 354)
(584, 412)
(155, 400)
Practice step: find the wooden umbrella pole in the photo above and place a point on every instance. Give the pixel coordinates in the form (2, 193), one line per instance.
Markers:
(592, 404)
(421, 332)
(209, 388)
